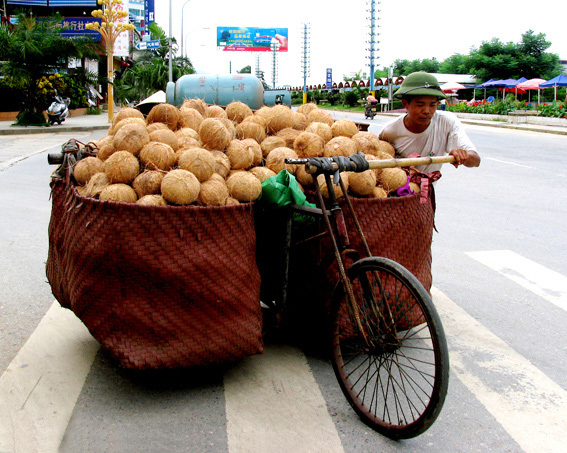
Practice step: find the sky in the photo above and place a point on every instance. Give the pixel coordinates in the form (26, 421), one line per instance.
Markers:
(339, 31)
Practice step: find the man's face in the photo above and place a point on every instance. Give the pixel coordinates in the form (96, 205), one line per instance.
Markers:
(421, 109)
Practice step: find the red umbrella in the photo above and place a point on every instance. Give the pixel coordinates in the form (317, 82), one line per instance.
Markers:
(451, 87)
(532, 84)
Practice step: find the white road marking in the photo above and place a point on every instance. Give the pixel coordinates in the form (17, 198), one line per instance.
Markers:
(273, 404)
(509, 163)
(544, 282)
(531, 407)
(39, 389)
(46, 142)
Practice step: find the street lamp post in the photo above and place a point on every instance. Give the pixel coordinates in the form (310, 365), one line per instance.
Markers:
(182, 18)
(110, 28)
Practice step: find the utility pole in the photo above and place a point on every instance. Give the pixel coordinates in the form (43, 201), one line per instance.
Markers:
(373, 40)
(305, 58)
(275, 46)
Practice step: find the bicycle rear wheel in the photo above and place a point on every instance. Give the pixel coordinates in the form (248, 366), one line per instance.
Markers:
(390, 355)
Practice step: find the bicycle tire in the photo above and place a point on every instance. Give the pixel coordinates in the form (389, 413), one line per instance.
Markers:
(397, 380)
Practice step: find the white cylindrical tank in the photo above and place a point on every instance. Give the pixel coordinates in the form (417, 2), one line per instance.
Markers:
(219, 89)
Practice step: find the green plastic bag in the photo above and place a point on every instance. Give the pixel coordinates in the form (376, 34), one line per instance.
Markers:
(282, 190)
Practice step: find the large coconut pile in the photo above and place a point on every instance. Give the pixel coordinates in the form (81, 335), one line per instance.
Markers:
(205, 155)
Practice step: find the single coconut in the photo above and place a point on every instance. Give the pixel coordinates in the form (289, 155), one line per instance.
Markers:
(264, 112)
(306, 108)
(276, 160)
(119, 192)
(240, 154)
(301, 122)
(362, 183)
(217, 177)
(126, 112)
(86, 168)
(164, 113)
(231, 127)
(256, 150)
(148, 182)
(340, 146)
(187, 137)
(413, 186)
(281, 117)
(222, 163)
(289, 135)
(215, 111)
(105, 151)
(321, 129)
(378, 192)
(304, 178)
(258, 120)
(131, 119)
(308, 144)
(214, 135)
(393, 178)
(336, 187)
(387, 148)
(180, 187)
(152, 200)
(189, 117)
(155, 126)
(95, 185)
(366, 142)
(270, 143)
(344, 127)
(131, 137)
(213, 193)
(262, 173)
(198, 104)
(198, 161)
(121, 167)
(106, 140)
(165, 136)
(249, 129)
(237, 111)
(244, 186)
(320, 116)
(231, 201)
(157, 156)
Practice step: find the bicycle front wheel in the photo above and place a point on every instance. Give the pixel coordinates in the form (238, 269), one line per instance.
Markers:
(389, 352)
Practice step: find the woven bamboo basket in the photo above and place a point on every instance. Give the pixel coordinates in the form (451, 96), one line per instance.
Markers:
(157, 286)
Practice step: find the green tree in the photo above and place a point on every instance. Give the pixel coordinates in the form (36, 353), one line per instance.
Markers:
(245, 70)
(150, 71)
(456, 64)
(513, 60)
(33, 49)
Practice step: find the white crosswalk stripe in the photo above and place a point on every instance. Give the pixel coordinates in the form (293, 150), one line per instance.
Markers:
(529, 405)
(543, 282)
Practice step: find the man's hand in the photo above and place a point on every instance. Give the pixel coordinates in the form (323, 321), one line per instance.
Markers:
(466, 158)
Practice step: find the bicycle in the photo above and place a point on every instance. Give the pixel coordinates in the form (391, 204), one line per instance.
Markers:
(388, 347)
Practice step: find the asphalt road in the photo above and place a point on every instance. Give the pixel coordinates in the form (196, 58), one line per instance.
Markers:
(500, 287)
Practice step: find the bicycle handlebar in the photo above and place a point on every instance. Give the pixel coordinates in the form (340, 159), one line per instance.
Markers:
(373, 164)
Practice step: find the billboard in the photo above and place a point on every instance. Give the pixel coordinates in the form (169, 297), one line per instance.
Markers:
(75, 26)
(251, 39)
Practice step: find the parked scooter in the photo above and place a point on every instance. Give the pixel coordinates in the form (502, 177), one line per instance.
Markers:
(58, 110)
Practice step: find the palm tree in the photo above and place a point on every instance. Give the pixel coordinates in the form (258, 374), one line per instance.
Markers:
(33, 49)
(150, 72)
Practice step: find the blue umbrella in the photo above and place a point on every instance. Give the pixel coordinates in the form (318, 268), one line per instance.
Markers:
(559, 81)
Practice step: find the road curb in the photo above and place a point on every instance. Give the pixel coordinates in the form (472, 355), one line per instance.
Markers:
(47, 130)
